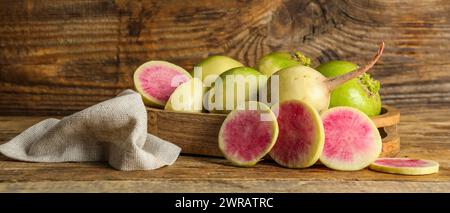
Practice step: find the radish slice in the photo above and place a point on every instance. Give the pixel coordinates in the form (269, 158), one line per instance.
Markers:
(248, 135)
(405, 166)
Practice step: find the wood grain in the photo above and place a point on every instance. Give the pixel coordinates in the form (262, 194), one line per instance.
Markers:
(60, 56)
(424, 132)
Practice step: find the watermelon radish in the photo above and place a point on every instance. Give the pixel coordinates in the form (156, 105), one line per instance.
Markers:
(233, 88)
(215, 65)
(275, 61)
(307, 84)
(352, 142)
(248, 135)
(405, 166)
(156, 80)
(188, 97)
(361, 93)
(301, 137)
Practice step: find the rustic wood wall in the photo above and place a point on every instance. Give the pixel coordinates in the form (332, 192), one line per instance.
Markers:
(59, 56)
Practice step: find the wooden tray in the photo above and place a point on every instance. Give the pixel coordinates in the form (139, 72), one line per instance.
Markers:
(196, 133)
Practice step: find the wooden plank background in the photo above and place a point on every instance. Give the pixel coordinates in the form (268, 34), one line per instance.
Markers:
(59, 56)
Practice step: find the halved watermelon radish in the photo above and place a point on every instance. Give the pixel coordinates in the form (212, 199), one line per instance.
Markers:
(352, 142)
(188, 97)
(301, 137)
(156, 80)
(405, 166)
(248, 135)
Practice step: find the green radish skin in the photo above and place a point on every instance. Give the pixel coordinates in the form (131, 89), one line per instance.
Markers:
(306, 84)
(216, 65)
(188, 97)
(361, 92)
(216, 99)
(275, 61)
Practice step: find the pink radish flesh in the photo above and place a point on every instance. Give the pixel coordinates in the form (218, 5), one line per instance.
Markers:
(299, 140)
(405, 166)
(160, 81)
(348, 142)
(400, 162)
(352, 141)
(245, 136)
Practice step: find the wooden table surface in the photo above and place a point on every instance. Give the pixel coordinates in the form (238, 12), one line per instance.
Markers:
(425, 133)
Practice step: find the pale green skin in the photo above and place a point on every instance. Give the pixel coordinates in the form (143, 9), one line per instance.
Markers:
(275, 61)
(216, 65)
(214, 98)
(188, 97)
(353, 93)
(304, 84)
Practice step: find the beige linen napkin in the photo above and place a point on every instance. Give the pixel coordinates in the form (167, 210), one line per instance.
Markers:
(114, 130)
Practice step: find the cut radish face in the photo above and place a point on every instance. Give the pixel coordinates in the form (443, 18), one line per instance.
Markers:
(248, 135)
(405, 166)
(156, 80)
(301, 135)
(352, 142)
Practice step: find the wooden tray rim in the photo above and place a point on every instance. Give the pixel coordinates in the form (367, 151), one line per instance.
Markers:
(390, 117)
